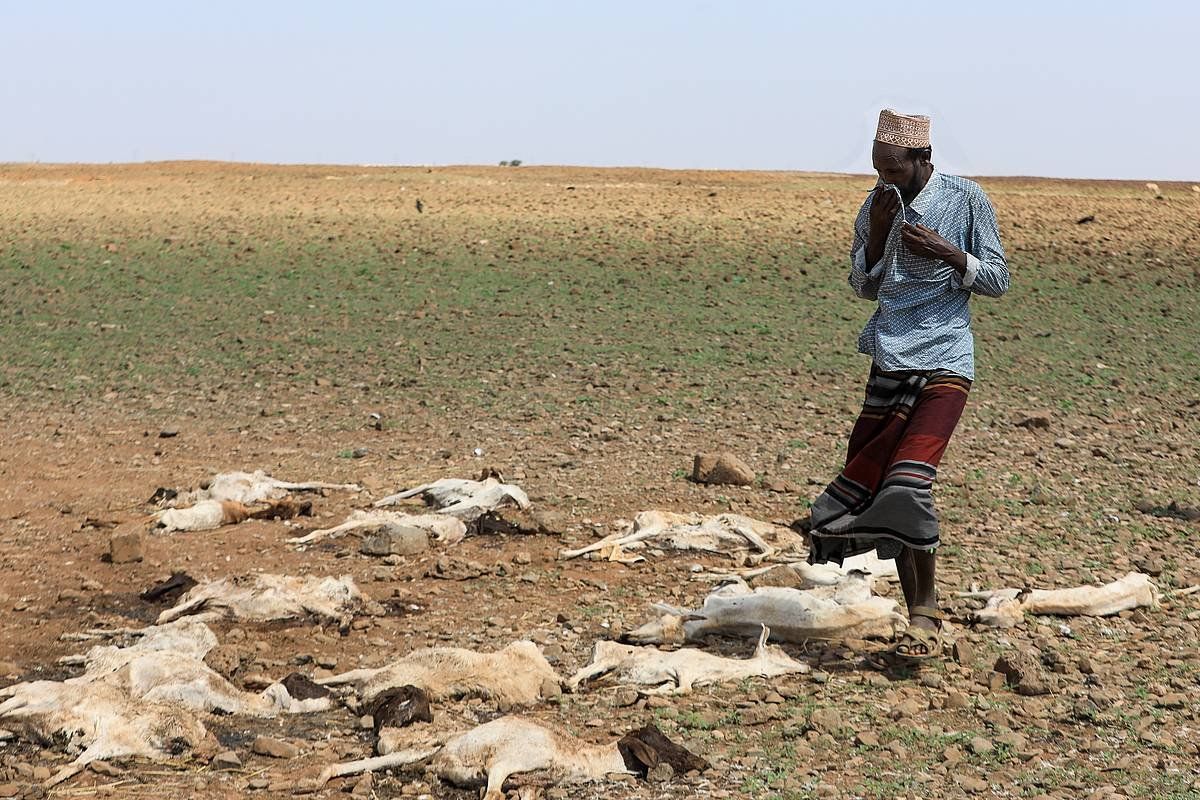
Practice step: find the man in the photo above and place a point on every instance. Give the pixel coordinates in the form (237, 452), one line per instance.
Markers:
(923, 243)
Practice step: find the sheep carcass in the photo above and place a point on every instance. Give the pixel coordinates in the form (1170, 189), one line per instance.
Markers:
(208, 515)
(1006, 607)
(727, 534)
(249, 488)
(847, 610)
(100, 721)
(490, 754)
(185, 636)
(802, 575)
(443, 528)
(265, 598)
(513, 676)
(677, 671)
(466, 499)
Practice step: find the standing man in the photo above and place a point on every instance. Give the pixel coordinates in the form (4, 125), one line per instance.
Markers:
(923, 243)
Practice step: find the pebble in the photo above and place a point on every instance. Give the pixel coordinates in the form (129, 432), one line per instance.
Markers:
(258, 784)
(625, 698)
(957, 700)
(105, 769)
(363, 786)
(9, 790)
(973, 785)
(275, 748)
(226, 760)
(981, 746)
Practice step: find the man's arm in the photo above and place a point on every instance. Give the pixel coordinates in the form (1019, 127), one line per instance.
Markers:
(866, 254)
(981, 268)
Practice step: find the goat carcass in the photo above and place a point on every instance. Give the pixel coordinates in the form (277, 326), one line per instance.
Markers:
(466, 499)
(727, 534)
(443, 528)
(100, 721)
(1005, 607)
(802, 575)
(677, 671)
(490, 754)
(185, 636)
(208, 515)
(264, 598)
(513, 676)
(249, 488)
(847, 610)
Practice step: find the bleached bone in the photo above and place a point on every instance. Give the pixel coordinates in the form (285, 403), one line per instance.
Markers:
(813, 575)
(677, 671)
(847, 610)
(490, 754)
(100, 721)
(444, 529)
(727, 534)
(185, 636)
(466, 499)
(513, 676)
(1135, 590)
(249, 488)
(265, 598)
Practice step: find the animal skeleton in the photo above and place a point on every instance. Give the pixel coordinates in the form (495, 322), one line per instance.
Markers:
(249, 488)
(466, 499)
(443, 528)
(264, 598)
(847, 610)
(513, 676)
(1006, 607)
(208, 515)
(677, 671)
(729, 534)
(490, 754)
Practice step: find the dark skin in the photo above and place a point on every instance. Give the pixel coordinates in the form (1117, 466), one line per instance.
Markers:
(897, 166)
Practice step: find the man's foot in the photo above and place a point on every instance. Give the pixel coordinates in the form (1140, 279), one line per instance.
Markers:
(923, 638)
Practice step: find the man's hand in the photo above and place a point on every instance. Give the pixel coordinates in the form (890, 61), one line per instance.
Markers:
(884, 205)
(924, 242)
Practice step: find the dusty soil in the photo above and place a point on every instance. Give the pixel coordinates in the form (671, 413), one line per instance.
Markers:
(589, 331)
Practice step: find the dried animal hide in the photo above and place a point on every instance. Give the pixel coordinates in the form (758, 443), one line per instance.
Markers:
(265, 598)
(442, 528)
(466, 499)
(726, 534)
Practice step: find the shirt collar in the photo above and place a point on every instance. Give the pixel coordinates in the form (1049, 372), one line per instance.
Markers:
(925, 197)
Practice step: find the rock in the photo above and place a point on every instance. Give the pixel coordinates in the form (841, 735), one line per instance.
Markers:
(906, 708)
(258, 784)
(552, 523)
(1023, 673)
(41, 774)
(973, 785)
(168, 433)
(126, 545)
(1064, 443)
(660, 773)
(722, 468)
(779, 575)
(522, 558)
(957, 700)
(392, 539)
(1151, 564)
(964, 652)
(9, 790)
(980, 746)
(224, 659)
(8, 668)
(551, 689)
(780, 486)
(1173, 700)
(363, 786)
(826, 720)
(867, 739)
(275, 748)
(226, 760)
(106, 769)
(1037, 420)
(625, 698)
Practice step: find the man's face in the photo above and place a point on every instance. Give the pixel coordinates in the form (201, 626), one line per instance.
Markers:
(895, 166)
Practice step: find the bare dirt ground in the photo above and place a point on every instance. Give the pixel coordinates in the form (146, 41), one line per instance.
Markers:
(589, 331)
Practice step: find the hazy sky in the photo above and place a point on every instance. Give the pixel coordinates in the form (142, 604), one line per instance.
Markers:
(1075, 89)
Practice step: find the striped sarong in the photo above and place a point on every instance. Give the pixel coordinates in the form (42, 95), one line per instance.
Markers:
(883, 499)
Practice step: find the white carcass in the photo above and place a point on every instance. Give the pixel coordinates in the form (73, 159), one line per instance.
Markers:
(442, 528)
(517, 675)
(844, 611)
(266, 598)
(466, 499)
(250, 488)
(1006, 607)
(677, 671)
(726, 534)
(488, 755)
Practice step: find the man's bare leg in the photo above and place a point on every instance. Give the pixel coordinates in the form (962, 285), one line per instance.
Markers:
(918, 579)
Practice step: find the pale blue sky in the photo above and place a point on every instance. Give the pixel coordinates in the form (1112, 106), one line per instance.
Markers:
(1087, 89)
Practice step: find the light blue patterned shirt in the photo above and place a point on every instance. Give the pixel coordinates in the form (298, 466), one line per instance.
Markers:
(923, 321)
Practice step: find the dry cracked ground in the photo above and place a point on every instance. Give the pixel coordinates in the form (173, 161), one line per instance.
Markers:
(586, 332)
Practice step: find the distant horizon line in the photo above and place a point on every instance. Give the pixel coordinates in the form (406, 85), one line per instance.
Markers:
(525, 165)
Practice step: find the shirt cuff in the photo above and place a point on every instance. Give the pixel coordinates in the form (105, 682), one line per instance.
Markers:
(970, 272)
